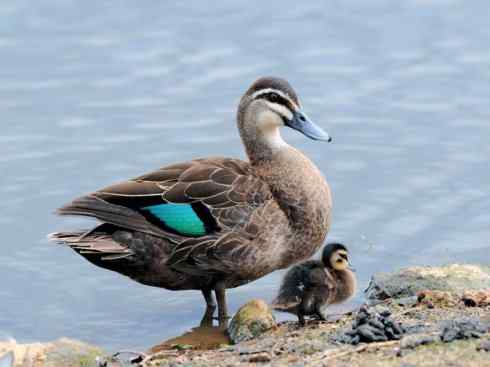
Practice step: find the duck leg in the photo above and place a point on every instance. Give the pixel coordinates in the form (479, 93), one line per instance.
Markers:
(220, 291)
(321, 313)
(207, 319)
(305, 307)
(301, 318)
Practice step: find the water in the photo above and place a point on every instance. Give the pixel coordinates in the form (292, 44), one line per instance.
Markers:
(96, 92)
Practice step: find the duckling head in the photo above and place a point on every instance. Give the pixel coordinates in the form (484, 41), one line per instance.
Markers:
(268, 105)
(336, 256)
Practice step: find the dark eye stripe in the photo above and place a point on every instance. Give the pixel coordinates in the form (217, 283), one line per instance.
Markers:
(275, 98)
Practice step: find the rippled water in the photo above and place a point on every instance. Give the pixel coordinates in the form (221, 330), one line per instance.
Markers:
(96, 92)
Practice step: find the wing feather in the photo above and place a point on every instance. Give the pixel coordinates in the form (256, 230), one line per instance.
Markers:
(224, 193)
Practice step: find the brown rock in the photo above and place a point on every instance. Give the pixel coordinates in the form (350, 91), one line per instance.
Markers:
(433, 299)
(476, 298)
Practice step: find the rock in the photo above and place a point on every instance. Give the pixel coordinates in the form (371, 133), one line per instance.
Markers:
(408, 282)
(251, 320)
(463, 329)
(433, 299)
(484, 346)
(63, 352)
(371, 326)
(413, 341)
(476, 298)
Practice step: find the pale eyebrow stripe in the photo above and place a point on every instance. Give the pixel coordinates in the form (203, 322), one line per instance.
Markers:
(280, 109)
(272, 90)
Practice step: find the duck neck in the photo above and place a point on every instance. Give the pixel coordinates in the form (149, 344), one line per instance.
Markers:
(303, 195)
(298, 187)
(259, 131)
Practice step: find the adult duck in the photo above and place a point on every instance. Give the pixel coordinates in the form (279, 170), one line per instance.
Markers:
(215, 223)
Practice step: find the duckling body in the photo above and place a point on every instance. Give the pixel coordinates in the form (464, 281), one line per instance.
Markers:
(215, 223)
(308, 287)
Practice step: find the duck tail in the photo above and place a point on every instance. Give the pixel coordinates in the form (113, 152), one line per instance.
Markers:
(96, 245)
(95, 207)
(116, 215)
(285, 304)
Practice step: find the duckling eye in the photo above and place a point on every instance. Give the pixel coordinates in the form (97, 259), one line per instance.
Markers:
(274, 97)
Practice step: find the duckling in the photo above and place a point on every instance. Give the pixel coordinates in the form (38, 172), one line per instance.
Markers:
(313, 284)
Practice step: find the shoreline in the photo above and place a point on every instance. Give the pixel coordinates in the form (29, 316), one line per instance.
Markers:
(444, 312)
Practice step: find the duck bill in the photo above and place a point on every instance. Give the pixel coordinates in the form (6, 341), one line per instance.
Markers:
(305, 126)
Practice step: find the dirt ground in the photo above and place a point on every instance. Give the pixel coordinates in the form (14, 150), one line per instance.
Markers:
(317, 343)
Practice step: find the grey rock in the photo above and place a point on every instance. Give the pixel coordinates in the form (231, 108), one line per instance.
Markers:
(409, 281)
(484, 346)
(462, 329)
(372, 326)
(413, 341)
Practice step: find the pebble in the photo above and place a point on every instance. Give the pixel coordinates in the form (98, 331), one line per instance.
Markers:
(484, 346)
(260, 358)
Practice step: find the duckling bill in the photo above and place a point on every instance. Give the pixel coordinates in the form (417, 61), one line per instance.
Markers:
(215, 223)
(307, 288)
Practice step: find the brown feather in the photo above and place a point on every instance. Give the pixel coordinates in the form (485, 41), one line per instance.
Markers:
(204, 189)
(177, 193)
(197, 173)
(163, 175)
(223, 176)
(132, 188)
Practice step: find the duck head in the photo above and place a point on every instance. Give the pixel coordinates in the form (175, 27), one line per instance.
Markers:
(336, 256)
(267, 106)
